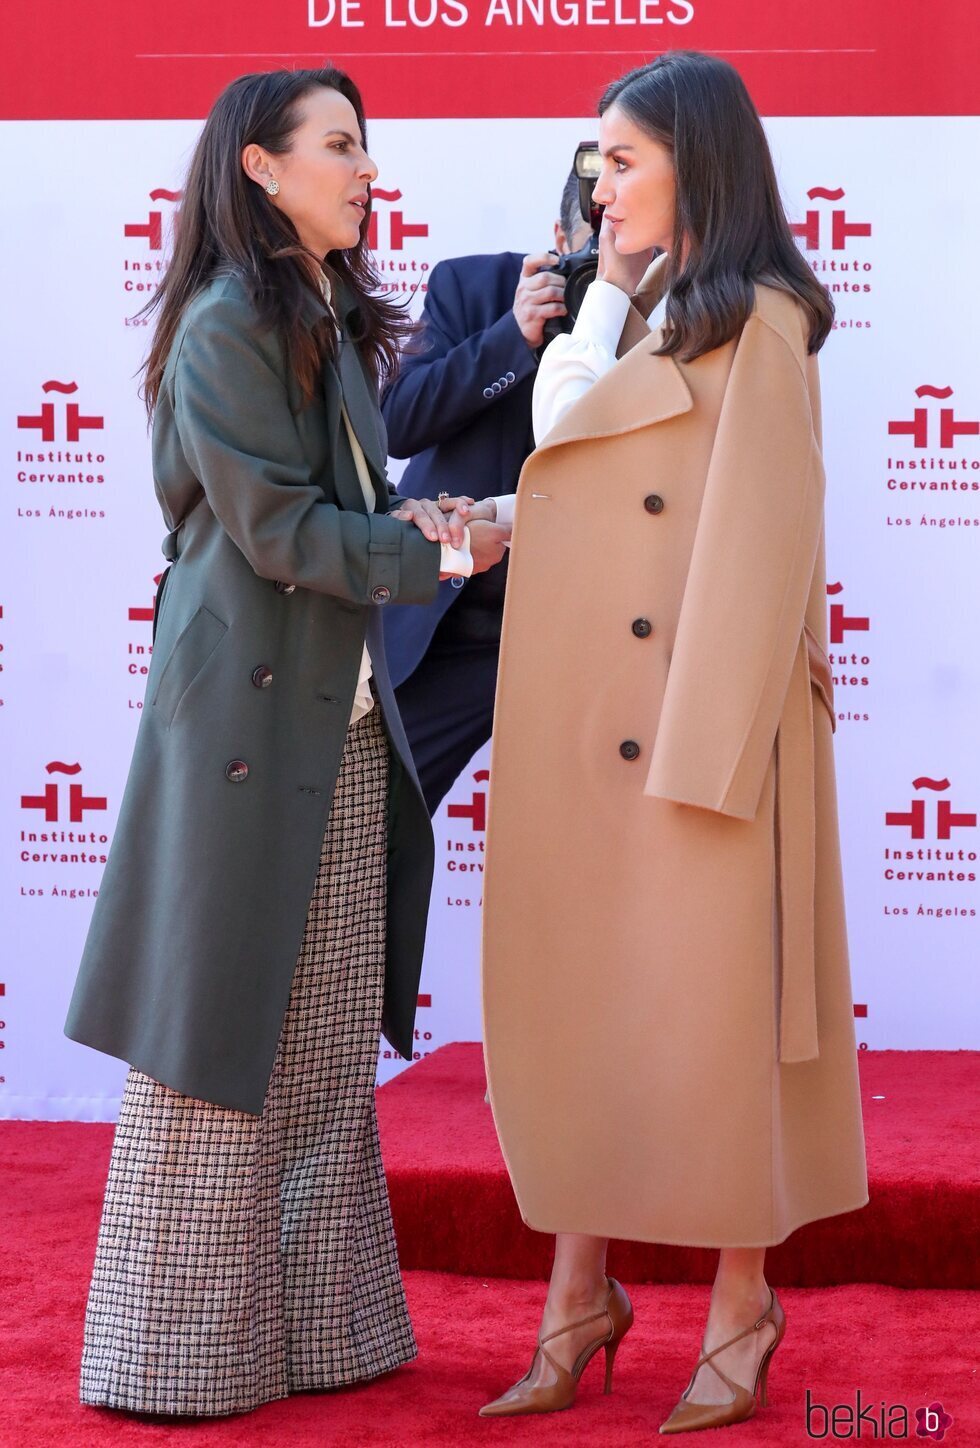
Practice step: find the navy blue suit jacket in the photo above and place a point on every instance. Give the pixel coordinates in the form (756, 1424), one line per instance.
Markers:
(460, 408)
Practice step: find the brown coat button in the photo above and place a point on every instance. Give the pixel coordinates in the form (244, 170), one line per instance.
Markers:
(236, 771)
(381, 594)
(262, 676)
(629, 749)
(285, 587)
(642, 627)
(653, 503)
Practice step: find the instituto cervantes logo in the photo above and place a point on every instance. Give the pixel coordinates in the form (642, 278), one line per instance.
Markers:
(144, 265)
(62, 811)
(934, 456)
(833, 243)
(393, 237)
(143, 613)
(65, 448)
(815, 232)
(52, 802)
(849, 664)
(398, 228)
(943, 431)
(946, 819)
(140, 650)
(476, 810)
(938, 853)
(461, 850)
(65, 423)
(151, 230)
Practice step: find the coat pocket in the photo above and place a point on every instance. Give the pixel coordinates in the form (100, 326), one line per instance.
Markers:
(187, 658)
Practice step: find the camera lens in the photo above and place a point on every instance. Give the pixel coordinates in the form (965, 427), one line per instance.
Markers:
(578, 283)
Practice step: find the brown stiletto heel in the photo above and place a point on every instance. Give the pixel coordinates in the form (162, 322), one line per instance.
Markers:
(764, 1375)
(689, 1417)
(610, 1359)
(554, 1396)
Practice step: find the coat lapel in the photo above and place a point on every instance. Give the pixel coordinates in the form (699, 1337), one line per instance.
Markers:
(345, 382)
(642, 303)
(365, 415)
(345, 480)
(640, 390)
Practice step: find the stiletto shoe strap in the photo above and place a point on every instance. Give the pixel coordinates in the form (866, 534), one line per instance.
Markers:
(586, 1352)
(754, 1327)
(571, 1326)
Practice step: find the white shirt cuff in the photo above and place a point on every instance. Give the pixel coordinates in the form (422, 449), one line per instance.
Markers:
(457, 560)
(506, 503)
(602, 316)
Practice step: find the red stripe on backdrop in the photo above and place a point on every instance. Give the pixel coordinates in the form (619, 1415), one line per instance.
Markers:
(417, 58)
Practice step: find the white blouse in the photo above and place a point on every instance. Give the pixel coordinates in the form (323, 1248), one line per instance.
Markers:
(454, 560)
(574, 360)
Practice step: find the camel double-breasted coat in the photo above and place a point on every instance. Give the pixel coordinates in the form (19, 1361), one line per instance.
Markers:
(668, 1015)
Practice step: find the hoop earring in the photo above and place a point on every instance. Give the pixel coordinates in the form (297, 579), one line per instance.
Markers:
(272, 189)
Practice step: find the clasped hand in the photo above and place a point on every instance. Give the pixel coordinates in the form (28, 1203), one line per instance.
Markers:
(445, 521)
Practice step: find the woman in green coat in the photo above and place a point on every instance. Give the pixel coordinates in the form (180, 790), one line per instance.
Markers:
(263, 909)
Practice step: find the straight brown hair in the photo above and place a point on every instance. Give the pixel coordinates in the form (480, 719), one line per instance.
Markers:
(225, 222)
(728, 211)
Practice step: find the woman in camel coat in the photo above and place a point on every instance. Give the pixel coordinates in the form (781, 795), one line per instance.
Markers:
(668, 1015)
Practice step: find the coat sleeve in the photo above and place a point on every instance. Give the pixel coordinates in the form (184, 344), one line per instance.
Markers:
(441, 389)
(751, 568)
(239, 436)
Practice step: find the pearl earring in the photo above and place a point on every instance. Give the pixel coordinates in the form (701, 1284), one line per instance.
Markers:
(272, 189)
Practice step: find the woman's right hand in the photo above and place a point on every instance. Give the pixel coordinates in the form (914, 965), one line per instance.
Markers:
(625, 272)
(464, 510)
(487, 544)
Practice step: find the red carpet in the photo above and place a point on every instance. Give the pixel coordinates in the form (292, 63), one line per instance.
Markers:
(475, 1333)
(896, 1347)
(455, 1211)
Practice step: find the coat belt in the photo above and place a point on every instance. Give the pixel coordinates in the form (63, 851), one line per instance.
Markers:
(796, 848)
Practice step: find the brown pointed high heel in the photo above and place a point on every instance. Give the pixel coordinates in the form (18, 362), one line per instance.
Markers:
(552, 1397)
(688, 1417)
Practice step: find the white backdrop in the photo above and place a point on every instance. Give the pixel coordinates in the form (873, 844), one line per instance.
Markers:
(86, 231)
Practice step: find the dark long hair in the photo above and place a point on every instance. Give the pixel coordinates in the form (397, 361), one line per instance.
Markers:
(226, 222)
(727, 209)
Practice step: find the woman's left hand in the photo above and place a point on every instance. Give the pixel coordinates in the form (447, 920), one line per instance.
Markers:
(432, 519)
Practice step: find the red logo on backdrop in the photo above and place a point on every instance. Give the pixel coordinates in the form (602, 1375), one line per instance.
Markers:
(842, 623)
(46, 421)
(391, 226)
(57, 803)
(841, 230)
(151, 230)
(918, 426)
(476, 810)
(145, 615)
(914, 819)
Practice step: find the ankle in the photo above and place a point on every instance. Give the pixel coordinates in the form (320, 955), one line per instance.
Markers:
(577, 1297)
(739, 1300)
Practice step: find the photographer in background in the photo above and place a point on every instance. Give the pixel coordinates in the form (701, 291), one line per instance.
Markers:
(460, 408)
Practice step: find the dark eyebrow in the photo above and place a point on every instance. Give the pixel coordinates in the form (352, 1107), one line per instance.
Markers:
(617, 148)
(346, 135)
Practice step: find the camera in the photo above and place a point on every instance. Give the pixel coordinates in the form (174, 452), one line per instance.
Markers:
(579, 267)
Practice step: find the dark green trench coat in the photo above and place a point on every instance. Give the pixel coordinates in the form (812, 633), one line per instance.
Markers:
(277, 567)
